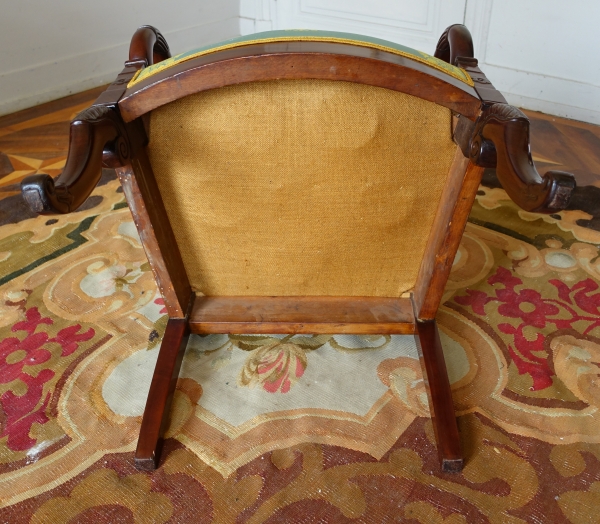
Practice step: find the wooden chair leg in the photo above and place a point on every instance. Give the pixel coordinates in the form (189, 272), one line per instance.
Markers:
(440, 396)
(164, 380)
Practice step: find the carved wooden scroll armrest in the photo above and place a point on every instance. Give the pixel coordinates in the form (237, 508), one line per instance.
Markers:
(500, 139)
(149, 46)
(97, 137)
(455, 42)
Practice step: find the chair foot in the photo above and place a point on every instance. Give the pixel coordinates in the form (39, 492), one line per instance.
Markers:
(145, 464)
(452, 465)
(440, 396)
(164, 380)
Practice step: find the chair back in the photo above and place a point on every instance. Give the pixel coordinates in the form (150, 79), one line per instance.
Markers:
(301, 163)
(301, 187)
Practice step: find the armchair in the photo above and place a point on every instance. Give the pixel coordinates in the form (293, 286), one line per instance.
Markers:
(262, 172)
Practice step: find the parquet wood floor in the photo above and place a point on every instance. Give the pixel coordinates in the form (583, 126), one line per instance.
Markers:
(566, 145)
(36, 140)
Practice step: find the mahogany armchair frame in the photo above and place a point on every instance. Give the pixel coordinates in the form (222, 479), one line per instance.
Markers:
(112, 133)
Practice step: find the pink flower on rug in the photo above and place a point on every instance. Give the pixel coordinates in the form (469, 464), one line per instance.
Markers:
(15, 354)
(161, 302)
(527, 305)
(276, 367)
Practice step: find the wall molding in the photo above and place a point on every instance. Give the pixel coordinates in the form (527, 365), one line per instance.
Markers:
(257, 16)
(421, 32)
(304, 9)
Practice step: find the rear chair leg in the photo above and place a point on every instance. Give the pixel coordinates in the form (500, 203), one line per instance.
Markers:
(440, 396)
(158, 405)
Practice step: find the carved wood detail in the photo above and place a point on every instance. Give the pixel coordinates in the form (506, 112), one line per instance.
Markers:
(148, 46)
(98, 137)
(455, 42)
(501, 140)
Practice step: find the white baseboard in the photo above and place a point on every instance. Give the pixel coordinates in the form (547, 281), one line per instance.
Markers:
(554, 108)
(552, 95)
(41, 83)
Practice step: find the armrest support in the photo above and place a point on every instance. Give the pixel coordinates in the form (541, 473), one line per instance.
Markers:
(97, 138)
(455, 42)
(501, 140)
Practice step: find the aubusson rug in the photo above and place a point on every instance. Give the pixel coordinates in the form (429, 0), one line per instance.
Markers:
(300, 429)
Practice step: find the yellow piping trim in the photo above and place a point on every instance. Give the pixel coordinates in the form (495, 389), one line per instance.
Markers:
(425, 59)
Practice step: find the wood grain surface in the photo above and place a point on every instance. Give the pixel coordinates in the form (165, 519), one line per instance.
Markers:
(309, 315)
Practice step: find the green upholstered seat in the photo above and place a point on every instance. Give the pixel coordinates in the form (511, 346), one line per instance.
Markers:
(303, 35)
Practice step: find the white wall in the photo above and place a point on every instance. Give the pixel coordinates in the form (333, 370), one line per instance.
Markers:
(413, 23)
(51, 48)
(540, 53)
(256, 16)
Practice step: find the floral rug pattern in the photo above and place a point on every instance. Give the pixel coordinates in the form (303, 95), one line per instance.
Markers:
(325, 428)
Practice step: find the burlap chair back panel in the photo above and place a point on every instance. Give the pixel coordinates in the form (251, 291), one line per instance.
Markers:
(301, 187)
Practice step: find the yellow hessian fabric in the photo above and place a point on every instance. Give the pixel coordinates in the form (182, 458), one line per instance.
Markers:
(301, 187)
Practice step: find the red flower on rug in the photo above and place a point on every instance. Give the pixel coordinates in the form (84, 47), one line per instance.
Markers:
(34, 319)
(526, 304)
(528, 351)
(16, 355)
(275, 367)
(23, 411)
(580, 295)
